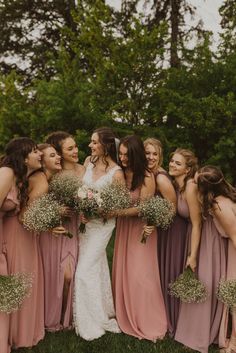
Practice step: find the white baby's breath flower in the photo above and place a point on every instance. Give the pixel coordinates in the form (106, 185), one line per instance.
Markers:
(157, 212)
(226, 292)
(115, 196)
(13, 291)
(43, 214)
(82, 193)
(64, 187)
(188, 288)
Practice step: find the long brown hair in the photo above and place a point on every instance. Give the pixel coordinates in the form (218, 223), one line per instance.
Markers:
(137, 160)
(56, 138)
(16, 151)
(107, 139)
(211, 183)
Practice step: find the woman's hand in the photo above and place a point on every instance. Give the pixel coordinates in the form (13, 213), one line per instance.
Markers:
(60, 230)
(83, 219)
(147, 230)
(192, 262)
(67, 211)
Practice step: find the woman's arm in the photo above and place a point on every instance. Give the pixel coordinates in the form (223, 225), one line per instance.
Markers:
(7, 179)
(225, 213)
(38, 185)
(147, 191)
(166, 188)
(119, 177)
(191, 194)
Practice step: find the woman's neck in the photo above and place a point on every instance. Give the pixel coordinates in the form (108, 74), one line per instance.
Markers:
(68, 165)
(103, 162)
(49, 174)
(180, 181)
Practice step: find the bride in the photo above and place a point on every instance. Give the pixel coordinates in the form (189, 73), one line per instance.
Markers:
(93, 303)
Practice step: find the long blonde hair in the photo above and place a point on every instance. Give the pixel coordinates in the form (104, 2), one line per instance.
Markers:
(158, 147)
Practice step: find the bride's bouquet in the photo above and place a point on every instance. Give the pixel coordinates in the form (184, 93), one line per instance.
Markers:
(89, 201)
(13, 291)
(157, 212)
(44, 214)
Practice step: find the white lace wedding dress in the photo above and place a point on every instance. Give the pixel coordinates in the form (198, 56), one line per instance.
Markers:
(93, 302)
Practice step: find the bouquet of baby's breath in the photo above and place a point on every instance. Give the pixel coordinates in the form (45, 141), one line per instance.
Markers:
(13, 290)
(188, 288)
(64, 187)
(226, 292)
(156, 211)
(43, 214)
(89, 201)
(114, 196)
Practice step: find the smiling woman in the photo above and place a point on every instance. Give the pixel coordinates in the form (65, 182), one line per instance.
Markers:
(94, 312)
(21, 247)
(61, 317)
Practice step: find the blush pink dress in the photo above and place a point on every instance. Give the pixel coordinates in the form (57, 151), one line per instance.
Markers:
(4, 318)
(198, 324)
(230, 274)
(57, 253)
(139, 302)
(23, 256)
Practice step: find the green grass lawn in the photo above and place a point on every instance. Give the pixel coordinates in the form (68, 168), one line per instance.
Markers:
(68, 342)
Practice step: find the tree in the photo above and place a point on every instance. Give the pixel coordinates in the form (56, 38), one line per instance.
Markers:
(228, 24)
(30, 33)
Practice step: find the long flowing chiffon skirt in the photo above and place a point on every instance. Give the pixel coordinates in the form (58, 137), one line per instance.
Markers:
(198, 324)
(57, 254)
(23, 256)
(171, 247)
(4, 318)
(139, 303)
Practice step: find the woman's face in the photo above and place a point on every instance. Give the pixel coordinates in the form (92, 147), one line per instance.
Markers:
(152, 156)
(177, 165)
(51, 160)
(70, 150)
(95, 145)
(123, 156)
(33, 160)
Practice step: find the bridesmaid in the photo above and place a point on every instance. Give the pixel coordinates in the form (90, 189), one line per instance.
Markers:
(198, 323)
(219, 200)
(50, 244)
(66, 147)
(5, 184)
(138, 298)
(171, 243)
(22, 157)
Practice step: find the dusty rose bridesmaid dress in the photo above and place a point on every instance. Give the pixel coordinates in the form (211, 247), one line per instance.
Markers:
(4, 318)
(171, 248)
(23, 255)
(230, 274)
(139, 303)
(57, 253)
(198, 324)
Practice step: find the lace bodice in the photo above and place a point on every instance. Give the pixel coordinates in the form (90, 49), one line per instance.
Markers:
(101, 181)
